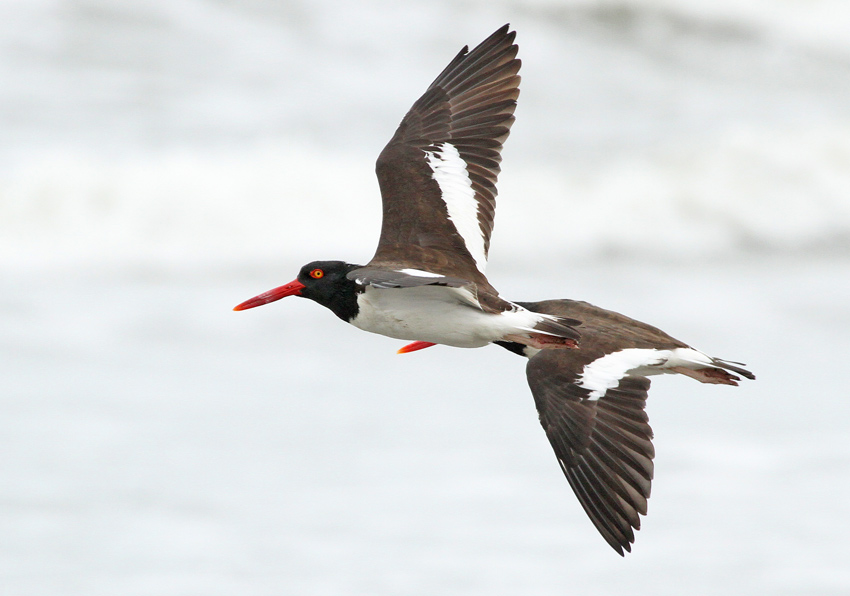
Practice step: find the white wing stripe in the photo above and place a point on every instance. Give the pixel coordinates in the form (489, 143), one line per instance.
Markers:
(453, 179)
(419, 273)
(604, 373)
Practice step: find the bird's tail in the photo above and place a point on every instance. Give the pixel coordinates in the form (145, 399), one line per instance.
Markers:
(548, 331)
(558, 326)
(734, 367)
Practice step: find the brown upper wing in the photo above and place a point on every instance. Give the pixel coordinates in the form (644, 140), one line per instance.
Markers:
(602, 442)
(461, 120)
(604, 446)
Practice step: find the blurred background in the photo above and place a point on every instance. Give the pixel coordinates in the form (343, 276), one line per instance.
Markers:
(687, 164)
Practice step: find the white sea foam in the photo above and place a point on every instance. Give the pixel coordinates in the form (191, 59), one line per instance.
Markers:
(759, 190)
(198, 129)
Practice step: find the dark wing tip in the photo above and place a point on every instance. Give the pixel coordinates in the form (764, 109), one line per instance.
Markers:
(474, 97)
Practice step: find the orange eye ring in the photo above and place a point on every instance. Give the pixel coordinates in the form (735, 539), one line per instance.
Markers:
(317, 274)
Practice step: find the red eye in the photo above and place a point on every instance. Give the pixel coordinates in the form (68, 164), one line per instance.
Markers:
(317, 274)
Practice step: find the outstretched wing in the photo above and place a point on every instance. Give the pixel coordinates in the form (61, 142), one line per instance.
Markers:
(438, 173)
(591, 403)
(602, 440)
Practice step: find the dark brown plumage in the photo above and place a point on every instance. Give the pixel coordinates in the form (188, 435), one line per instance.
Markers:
(470, 105)
(604, 443)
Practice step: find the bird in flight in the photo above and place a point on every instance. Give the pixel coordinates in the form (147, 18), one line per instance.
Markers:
(586, 367)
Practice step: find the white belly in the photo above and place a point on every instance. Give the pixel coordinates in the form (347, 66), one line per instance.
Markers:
(436, 314)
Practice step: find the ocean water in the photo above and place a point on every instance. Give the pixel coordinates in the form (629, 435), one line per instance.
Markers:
(202, 129)
(687, 164)
(156, 442)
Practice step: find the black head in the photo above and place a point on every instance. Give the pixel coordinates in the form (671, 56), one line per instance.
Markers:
(324, 282)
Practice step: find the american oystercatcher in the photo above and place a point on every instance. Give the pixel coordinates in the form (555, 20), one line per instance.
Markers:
(426, 283)
(438, 183)
(591, 404)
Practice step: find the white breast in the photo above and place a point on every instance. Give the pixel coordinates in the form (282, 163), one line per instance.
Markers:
(450, 316)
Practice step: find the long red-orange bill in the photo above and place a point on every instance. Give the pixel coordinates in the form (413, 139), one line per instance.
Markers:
(417, 345)
(293, 288)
